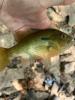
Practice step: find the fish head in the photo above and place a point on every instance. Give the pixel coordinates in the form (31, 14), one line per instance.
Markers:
(59, 42)
(51, 43)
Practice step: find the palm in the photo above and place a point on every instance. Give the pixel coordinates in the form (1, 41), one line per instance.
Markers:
(27, 13)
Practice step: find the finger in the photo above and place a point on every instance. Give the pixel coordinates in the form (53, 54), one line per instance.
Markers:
(66, 2)
(43, 22)
(48, 3)
(47, 22)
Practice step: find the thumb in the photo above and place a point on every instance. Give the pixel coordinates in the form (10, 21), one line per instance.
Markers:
(48, 3)
(66, 2)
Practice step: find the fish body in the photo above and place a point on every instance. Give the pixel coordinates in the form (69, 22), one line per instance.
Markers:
(44, 44)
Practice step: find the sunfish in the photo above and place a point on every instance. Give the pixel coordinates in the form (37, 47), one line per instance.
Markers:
(44, 44)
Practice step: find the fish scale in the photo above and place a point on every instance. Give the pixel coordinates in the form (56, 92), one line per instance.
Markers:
(33, 46)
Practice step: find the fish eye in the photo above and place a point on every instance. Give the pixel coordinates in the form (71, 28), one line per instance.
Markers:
(63, 36)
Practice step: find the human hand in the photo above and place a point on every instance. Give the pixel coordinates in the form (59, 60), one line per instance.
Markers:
(25, 14)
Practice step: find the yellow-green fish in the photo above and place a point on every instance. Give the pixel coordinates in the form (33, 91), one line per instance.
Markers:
(43, 44)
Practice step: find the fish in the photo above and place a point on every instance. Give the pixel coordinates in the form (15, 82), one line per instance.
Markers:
(42, 44)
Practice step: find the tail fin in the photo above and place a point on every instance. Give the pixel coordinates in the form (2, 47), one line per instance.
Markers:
(4, 59)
